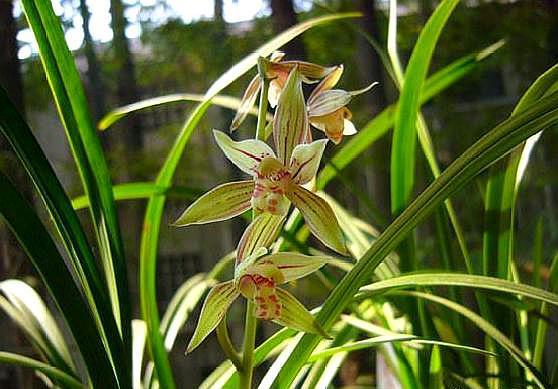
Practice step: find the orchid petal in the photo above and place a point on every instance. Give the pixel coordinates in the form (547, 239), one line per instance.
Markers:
(267, 270)
(274, 92)
(348, 127)
(268, 305)
(262, 232)
(363, 90)
(290, 124)
(276, 56)
(246, 154)
(332, 124)
(328, 101)
(220, 297)
(296, 316)
(243, 267)
(291, 265)
(221, 203)
(319, 217)
(247, 102)
(328, 82)
(305, 161)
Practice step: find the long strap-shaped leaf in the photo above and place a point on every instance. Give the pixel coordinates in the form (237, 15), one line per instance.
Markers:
(224, 101)
(40, 248)
(404, 132)
(455, 279)
(142, 190)
(500, 203)
(154, 212)
(475, 159)
(48, 370)
(490, 330)
(65, 220)
(72, 105)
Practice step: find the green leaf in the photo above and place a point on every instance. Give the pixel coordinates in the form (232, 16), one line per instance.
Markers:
(42, 251)
(50, 371)
(142, 190)
(475, 159)
(220, 203)
(138, 346)
(71, 102)
(295, 315)
(456, 279)
(490, 330)
(359, 345)
(220, 297)
(28, 310)
(404, 132)
(64, 219)
(115, 115)
(319, 217)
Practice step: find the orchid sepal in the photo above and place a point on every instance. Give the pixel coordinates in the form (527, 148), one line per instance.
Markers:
(246, 103)
(246, 154)
(290, 123)
(221, 203)
(295, 315)
(216, 304)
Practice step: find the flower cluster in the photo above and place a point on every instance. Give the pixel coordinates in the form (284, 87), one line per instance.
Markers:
(278, 178)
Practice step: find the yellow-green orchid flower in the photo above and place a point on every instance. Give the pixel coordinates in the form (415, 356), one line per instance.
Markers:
(278, 179)
(327, 109)
(277, 71)
(256, 278)
(274, 186)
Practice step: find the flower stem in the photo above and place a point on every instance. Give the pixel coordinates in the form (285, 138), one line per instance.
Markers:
(226, 344)
(250, 325)
(251, 322)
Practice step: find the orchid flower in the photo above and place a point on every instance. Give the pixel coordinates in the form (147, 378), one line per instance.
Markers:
(274, 186)
(277, 179)
(277, 71)
(327, 109)
(256, 278)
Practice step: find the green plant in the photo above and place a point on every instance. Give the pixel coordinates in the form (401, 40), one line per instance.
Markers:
(369, 305)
